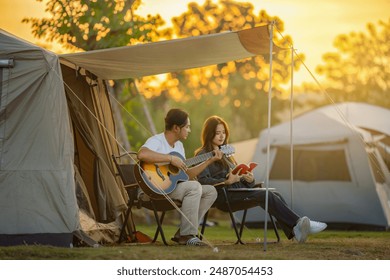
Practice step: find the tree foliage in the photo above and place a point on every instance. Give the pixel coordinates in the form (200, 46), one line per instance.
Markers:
(360, 68)
(235, 90)
(92, 25)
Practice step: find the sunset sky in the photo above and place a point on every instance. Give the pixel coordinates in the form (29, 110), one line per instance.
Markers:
(313, 24)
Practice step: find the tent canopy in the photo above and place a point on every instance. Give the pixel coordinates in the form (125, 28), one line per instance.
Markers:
(173, 55)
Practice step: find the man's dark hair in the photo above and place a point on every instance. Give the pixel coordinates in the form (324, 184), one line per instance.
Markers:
(176, 117)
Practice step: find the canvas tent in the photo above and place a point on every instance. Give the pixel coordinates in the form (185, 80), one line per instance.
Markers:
(37, 193)
(340, 170)
(57, 133)
(52, 148)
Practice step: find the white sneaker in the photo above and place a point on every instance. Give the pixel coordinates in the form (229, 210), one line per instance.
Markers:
(302, 229)
(316, 227)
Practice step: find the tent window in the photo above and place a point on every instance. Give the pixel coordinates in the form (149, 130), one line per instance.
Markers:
(311, 165)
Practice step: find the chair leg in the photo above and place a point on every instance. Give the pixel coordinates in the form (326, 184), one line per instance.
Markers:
(275, 228)
(232, 218)
(123, 229)
(159, 229)
(203, 225)
(243, 222)
(159, 221)
(238, 235)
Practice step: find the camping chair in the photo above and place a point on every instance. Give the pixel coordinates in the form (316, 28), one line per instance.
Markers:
(125, 164)
(238, 206)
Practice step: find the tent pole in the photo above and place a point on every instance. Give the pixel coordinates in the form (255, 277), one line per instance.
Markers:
(291, 130)
(268, 133)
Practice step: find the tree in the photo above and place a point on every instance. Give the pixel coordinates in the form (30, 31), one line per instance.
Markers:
(360, 69)
(236, 90)
(91, 25)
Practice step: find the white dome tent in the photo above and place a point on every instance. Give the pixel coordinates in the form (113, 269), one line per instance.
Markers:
(340, 165)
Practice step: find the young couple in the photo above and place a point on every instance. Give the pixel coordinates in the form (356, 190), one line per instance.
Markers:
(198, 193)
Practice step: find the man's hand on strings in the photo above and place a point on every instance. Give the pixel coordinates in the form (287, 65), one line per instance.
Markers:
(178, 162)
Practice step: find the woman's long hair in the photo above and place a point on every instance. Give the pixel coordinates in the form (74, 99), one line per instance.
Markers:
(208, 134)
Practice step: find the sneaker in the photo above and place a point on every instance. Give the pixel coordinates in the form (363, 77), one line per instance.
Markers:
(316, 227)
(190, 240)
(302, 229)
(195, 241)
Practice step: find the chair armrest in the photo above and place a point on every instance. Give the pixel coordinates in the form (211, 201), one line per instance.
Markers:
(219, 185)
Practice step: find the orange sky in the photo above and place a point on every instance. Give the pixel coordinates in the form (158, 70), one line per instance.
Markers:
(313, 24)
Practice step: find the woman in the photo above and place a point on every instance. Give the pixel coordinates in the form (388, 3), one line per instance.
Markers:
(215, 133)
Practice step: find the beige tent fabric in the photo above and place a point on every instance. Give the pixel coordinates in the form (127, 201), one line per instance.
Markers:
(256, 40)
(173, 55)
(94, 129)
(107, 233)
(245, 150)
(37, 190)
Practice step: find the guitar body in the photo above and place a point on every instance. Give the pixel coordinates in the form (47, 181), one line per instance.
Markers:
(156, 179)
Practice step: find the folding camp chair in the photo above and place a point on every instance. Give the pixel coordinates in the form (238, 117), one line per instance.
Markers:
(238, 206)
(125, 164)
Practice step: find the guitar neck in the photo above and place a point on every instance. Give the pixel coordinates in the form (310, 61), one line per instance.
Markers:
(198, 159)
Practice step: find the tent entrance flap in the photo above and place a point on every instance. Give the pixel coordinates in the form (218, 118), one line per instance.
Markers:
(93, 126)
(85, 162)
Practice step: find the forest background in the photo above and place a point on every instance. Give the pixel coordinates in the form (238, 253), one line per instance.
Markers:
(358, 70)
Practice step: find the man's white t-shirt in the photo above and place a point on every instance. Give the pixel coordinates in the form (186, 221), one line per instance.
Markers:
(159, 144)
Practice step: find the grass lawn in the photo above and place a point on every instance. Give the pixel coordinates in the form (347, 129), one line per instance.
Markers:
(327, 245)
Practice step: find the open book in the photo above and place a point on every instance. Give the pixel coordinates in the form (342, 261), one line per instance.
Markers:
(244, 168)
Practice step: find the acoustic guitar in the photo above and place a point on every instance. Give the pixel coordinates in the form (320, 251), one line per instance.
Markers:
(159, 179)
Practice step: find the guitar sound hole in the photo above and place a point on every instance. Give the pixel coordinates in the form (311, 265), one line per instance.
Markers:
(173, 169)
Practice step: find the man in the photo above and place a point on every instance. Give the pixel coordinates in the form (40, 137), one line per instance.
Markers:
(196, 198)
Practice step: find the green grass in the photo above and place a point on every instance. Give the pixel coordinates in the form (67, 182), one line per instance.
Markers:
(327, 245)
